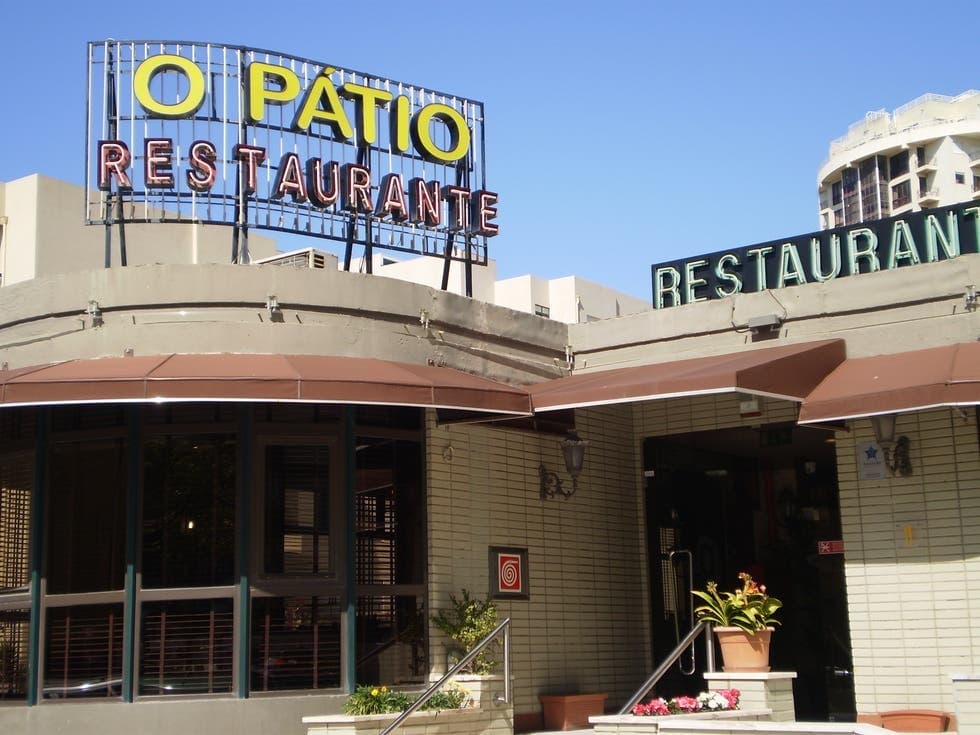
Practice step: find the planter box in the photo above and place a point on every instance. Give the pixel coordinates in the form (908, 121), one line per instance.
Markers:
(487, 716)
(915, 720)
(570, 711)
(683, 724)
(468, 721)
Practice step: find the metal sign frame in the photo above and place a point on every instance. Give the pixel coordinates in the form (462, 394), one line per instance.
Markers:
(193, 132)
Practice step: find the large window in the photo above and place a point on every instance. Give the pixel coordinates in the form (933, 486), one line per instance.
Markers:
(16, 475)
(295, 643)
(297, 510)
(186, 647)
(899, 164)
(901, 194)
(83, 651)
(85, 568)
(14, 627)
(852, 199)
(390, 557)
(295, 640)
(189, 511)
(145, 539)
(16, 497)
(87, 517)
(186, 611)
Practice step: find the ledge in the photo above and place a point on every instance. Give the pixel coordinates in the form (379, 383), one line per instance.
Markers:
(750, 675)
(380, 719)
(727, 714)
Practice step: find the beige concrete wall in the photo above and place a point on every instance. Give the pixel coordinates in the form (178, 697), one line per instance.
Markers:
(585, 626)
(255, 716)
(875, 313)
(160, 309)
(912, 559)
(47, 235)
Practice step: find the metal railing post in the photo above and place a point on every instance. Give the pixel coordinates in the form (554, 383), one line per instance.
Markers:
(671, 659)
(507, 683)
(709, 650)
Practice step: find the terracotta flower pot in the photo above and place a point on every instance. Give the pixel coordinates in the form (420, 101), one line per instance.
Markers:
(741, 651)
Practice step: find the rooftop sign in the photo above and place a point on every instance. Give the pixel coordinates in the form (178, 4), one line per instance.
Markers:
(198, 132)
(897, 242)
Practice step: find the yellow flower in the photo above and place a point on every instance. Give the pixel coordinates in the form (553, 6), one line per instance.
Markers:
(384, 689)
(374, 692)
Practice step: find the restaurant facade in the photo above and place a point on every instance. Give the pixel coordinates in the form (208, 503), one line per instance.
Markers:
(230, 492)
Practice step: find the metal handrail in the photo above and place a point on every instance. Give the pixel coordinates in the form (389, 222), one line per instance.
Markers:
(657, 675)
(503, 627)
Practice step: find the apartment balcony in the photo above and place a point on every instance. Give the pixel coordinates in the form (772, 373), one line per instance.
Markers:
(929, 197)
(974, 158)
(927, 166)
(976, 192)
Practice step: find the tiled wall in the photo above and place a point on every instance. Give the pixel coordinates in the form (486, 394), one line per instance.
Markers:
(585, 626)
(703, 413)
(909, 598)
(912, 551)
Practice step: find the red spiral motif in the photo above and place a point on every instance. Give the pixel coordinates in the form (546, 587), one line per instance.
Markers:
(510, 573)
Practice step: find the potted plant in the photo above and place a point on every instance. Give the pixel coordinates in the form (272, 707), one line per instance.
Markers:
(467, 622)
(743, 621)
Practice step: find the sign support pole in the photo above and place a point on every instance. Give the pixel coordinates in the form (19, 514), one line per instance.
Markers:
(112, 116)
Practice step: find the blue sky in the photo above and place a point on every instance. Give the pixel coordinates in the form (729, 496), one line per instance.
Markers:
(619, 134)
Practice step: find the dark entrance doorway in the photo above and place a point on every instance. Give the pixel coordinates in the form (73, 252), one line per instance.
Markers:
(758, 500)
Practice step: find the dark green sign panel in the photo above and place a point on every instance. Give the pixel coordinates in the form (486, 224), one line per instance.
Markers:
(897, 242)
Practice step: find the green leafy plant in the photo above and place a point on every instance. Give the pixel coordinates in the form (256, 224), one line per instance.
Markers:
(377, 699)
(455, 697)
(749, 607)
(467, 622)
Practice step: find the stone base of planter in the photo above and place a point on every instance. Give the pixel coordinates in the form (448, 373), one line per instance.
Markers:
(771, 690)
(966, 703)
(570, 711)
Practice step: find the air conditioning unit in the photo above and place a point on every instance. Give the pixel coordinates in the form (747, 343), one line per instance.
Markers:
(304, 258)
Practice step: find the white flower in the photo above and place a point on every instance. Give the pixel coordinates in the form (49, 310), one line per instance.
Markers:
(712, 701)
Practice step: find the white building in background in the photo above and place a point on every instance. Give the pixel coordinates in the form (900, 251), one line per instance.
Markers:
(924, 154)
(570, 299)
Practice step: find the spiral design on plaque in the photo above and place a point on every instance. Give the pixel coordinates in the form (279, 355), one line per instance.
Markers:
(510, 573)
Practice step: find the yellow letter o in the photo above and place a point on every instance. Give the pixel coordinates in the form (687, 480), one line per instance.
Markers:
(145, 73)
(459, 133)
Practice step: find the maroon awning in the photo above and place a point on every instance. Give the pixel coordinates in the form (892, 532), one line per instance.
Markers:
(903, 381)
(235, 377)
(788, 372)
